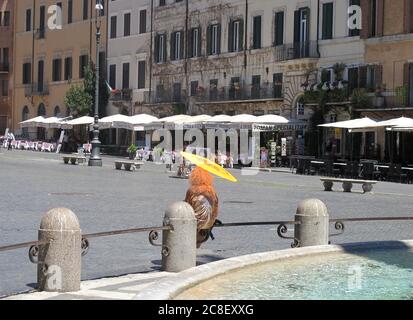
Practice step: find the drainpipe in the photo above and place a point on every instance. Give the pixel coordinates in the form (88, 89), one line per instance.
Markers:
(150, 56)
(246, 37)
(186, 55)
(318, 28)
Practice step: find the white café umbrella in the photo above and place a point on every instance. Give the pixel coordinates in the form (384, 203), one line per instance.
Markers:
(219, 119)
(107, 122)
(135, 122)
(363, 123)
(399, 124)
(271, 119)
(86, 120)
(52, 122)
(32, 122)
(244, 118)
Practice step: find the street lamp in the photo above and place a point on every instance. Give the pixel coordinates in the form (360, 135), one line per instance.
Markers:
(95, 160)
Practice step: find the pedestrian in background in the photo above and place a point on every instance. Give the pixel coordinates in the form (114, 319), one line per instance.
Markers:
(10, 139)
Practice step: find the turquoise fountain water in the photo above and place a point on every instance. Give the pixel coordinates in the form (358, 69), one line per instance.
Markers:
(371, 275)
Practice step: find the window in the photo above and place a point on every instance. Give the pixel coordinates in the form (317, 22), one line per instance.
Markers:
(213, 90)
(57, 112)
(68, 68)
(70, 11)
(5, 58)
(235, 88)
(194, 88)
(83, 62)
(256, 38)
(373, 18)
(40, 76)
(176, 92)
(194, 43)
(160, 48)
(302, 33)
(327, 28)
(113, 25)
(300, 107)
(256, 87)
(85, 9)
(278, 85)
(279, 28)
(214, 39)
(112, 76)
(236, 36)
(162, 3)
(141, 74)
(354, 32)
(59, 16)
(177, 45)
(126, 25)
(142, 21)
(27, 73)
(28, 20)
(125, 75)
(42, 22)
(6, 19)
(5, 88)
(57, 70)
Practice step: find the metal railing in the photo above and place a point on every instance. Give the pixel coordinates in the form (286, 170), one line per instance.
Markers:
(36, 89)
(282, 230)
(297, 50)
(123, 95)
(4, 67)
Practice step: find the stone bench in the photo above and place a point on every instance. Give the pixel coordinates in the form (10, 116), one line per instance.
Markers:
(74, 159)
(128, 165)
(348, 184)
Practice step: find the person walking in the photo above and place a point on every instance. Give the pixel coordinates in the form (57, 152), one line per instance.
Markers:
(10, 139)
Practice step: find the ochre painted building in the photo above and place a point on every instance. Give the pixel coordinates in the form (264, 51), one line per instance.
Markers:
(47, 60)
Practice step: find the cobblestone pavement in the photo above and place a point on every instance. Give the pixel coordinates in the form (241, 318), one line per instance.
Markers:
(105, 199)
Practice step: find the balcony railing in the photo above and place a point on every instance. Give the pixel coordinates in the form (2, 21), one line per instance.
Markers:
(36, 89)
(227, 93)
(239, 93)
(297, 50)
(123, 95)
(4, 67)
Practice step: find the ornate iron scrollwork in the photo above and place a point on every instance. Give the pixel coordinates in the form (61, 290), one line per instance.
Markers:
(282, 231)
(154, 236)
(85, 246)
(339, 226)
(34, 254)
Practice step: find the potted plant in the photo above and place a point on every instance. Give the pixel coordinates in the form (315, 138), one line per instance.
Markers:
(378, 99)
(132, 150)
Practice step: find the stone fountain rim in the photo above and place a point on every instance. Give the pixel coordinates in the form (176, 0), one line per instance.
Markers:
(176, 284)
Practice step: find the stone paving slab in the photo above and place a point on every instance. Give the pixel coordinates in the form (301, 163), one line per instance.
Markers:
(119, 288)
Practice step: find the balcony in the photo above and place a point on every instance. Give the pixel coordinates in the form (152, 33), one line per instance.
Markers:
(4, 67)
(36, 89)
(238, 92)
(40, 34)
(399, 98)
(297, 50)
(123, 95)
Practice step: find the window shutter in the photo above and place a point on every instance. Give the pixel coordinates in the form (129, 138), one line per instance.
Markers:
(279, 28)
(173, 36)
(297, 26)
(231, 36)
(157, 48)
(379, 75)
(241, 35)
(380, 17)
(366, 9)
(199, 44)
(182, 41)
(209, 38)
(362, 77)
(165, 50)
(190, 43)
(219, 39)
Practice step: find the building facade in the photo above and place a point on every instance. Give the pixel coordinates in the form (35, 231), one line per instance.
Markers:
(129, 40)
(51, 53)
(6, 63)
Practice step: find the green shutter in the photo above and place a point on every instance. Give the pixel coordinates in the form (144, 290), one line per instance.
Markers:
(279, 28)
(231, 36)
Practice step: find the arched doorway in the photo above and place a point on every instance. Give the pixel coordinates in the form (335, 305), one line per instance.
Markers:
(41, 132)
(25, 116)
(57, 112)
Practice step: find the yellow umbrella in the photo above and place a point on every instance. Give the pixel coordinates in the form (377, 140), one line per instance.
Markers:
(209, 166)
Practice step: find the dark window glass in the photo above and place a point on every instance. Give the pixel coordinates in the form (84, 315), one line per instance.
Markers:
(327, 21)
(141, 74)
(125, 76)
(142, 21)
(279, 28)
